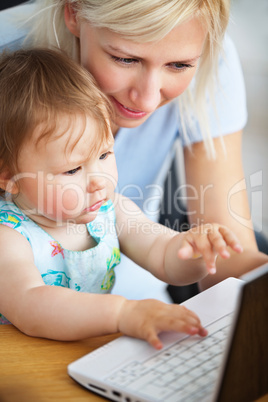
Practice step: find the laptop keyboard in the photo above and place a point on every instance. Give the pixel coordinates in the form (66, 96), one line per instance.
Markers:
(185, 371)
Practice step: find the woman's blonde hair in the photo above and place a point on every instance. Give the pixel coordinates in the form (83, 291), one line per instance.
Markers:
(144, 21)
(37, 86)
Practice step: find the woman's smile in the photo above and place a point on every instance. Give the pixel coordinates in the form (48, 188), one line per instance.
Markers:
(127, 112)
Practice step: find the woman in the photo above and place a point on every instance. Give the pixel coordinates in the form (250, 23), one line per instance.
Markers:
(171, 73)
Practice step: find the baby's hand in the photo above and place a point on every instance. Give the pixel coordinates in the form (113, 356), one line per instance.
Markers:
(145, 319)
(209, 241)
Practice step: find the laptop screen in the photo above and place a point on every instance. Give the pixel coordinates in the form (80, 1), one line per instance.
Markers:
(246, 371)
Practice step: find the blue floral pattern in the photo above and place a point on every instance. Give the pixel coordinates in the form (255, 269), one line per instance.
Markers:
(89, 271)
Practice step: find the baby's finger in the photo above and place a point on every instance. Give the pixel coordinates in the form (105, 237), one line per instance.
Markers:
(218, 244)
(180, 319)
(204, 246)
(153, 340)
(194, 329)
(230, 239)
(186, 250)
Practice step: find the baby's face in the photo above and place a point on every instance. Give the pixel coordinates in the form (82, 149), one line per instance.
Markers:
(68, 176)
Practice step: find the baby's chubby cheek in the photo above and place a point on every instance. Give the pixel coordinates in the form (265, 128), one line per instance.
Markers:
(70, 200)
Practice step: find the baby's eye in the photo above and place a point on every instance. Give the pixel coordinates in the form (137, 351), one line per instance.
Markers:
(72, 171)
(104, 155)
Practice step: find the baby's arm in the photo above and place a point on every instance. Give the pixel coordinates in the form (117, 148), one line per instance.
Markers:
(65, 314)
(47, 311)
(175, 258)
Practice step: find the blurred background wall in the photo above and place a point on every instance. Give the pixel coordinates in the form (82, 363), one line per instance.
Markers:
(249, 30)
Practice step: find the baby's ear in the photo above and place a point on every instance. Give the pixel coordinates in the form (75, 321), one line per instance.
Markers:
(7, 182)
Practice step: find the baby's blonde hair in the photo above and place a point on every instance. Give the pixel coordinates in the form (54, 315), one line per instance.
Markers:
(37, 86)
(144, 21)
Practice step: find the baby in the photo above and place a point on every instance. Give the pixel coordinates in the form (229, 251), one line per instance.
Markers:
(61, 222)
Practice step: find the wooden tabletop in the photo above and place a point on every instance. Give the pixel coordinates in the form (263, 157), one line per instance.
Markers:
(35, 370)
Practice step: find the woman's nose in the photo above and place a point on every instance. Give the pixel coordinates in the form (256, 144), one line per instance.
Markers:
(145, 93)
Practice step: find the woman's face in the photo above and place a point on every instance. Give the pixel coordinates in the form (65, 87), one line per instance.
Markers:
(139, 77)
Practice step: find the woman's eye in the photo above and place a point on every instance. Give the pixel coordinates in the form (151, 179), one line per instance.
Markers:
(180, 66)
(104, 155)
(124, 60)
(72, 171)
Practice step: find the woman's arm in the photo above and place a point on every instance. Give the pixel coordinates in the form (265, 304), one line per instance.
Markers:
(220, 195)
(64, 314)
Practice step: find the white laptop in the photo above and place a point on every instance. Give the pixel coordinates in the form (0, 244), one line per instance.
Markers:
(230, 364)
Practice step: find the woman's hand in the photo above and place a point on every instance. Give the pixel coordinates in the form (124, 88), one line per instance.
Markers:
(145, 319)
(209, 241)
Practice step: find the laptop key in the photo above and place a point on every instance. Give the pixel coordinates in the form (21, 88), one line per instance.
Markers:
(155, 392)
(144, 380)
